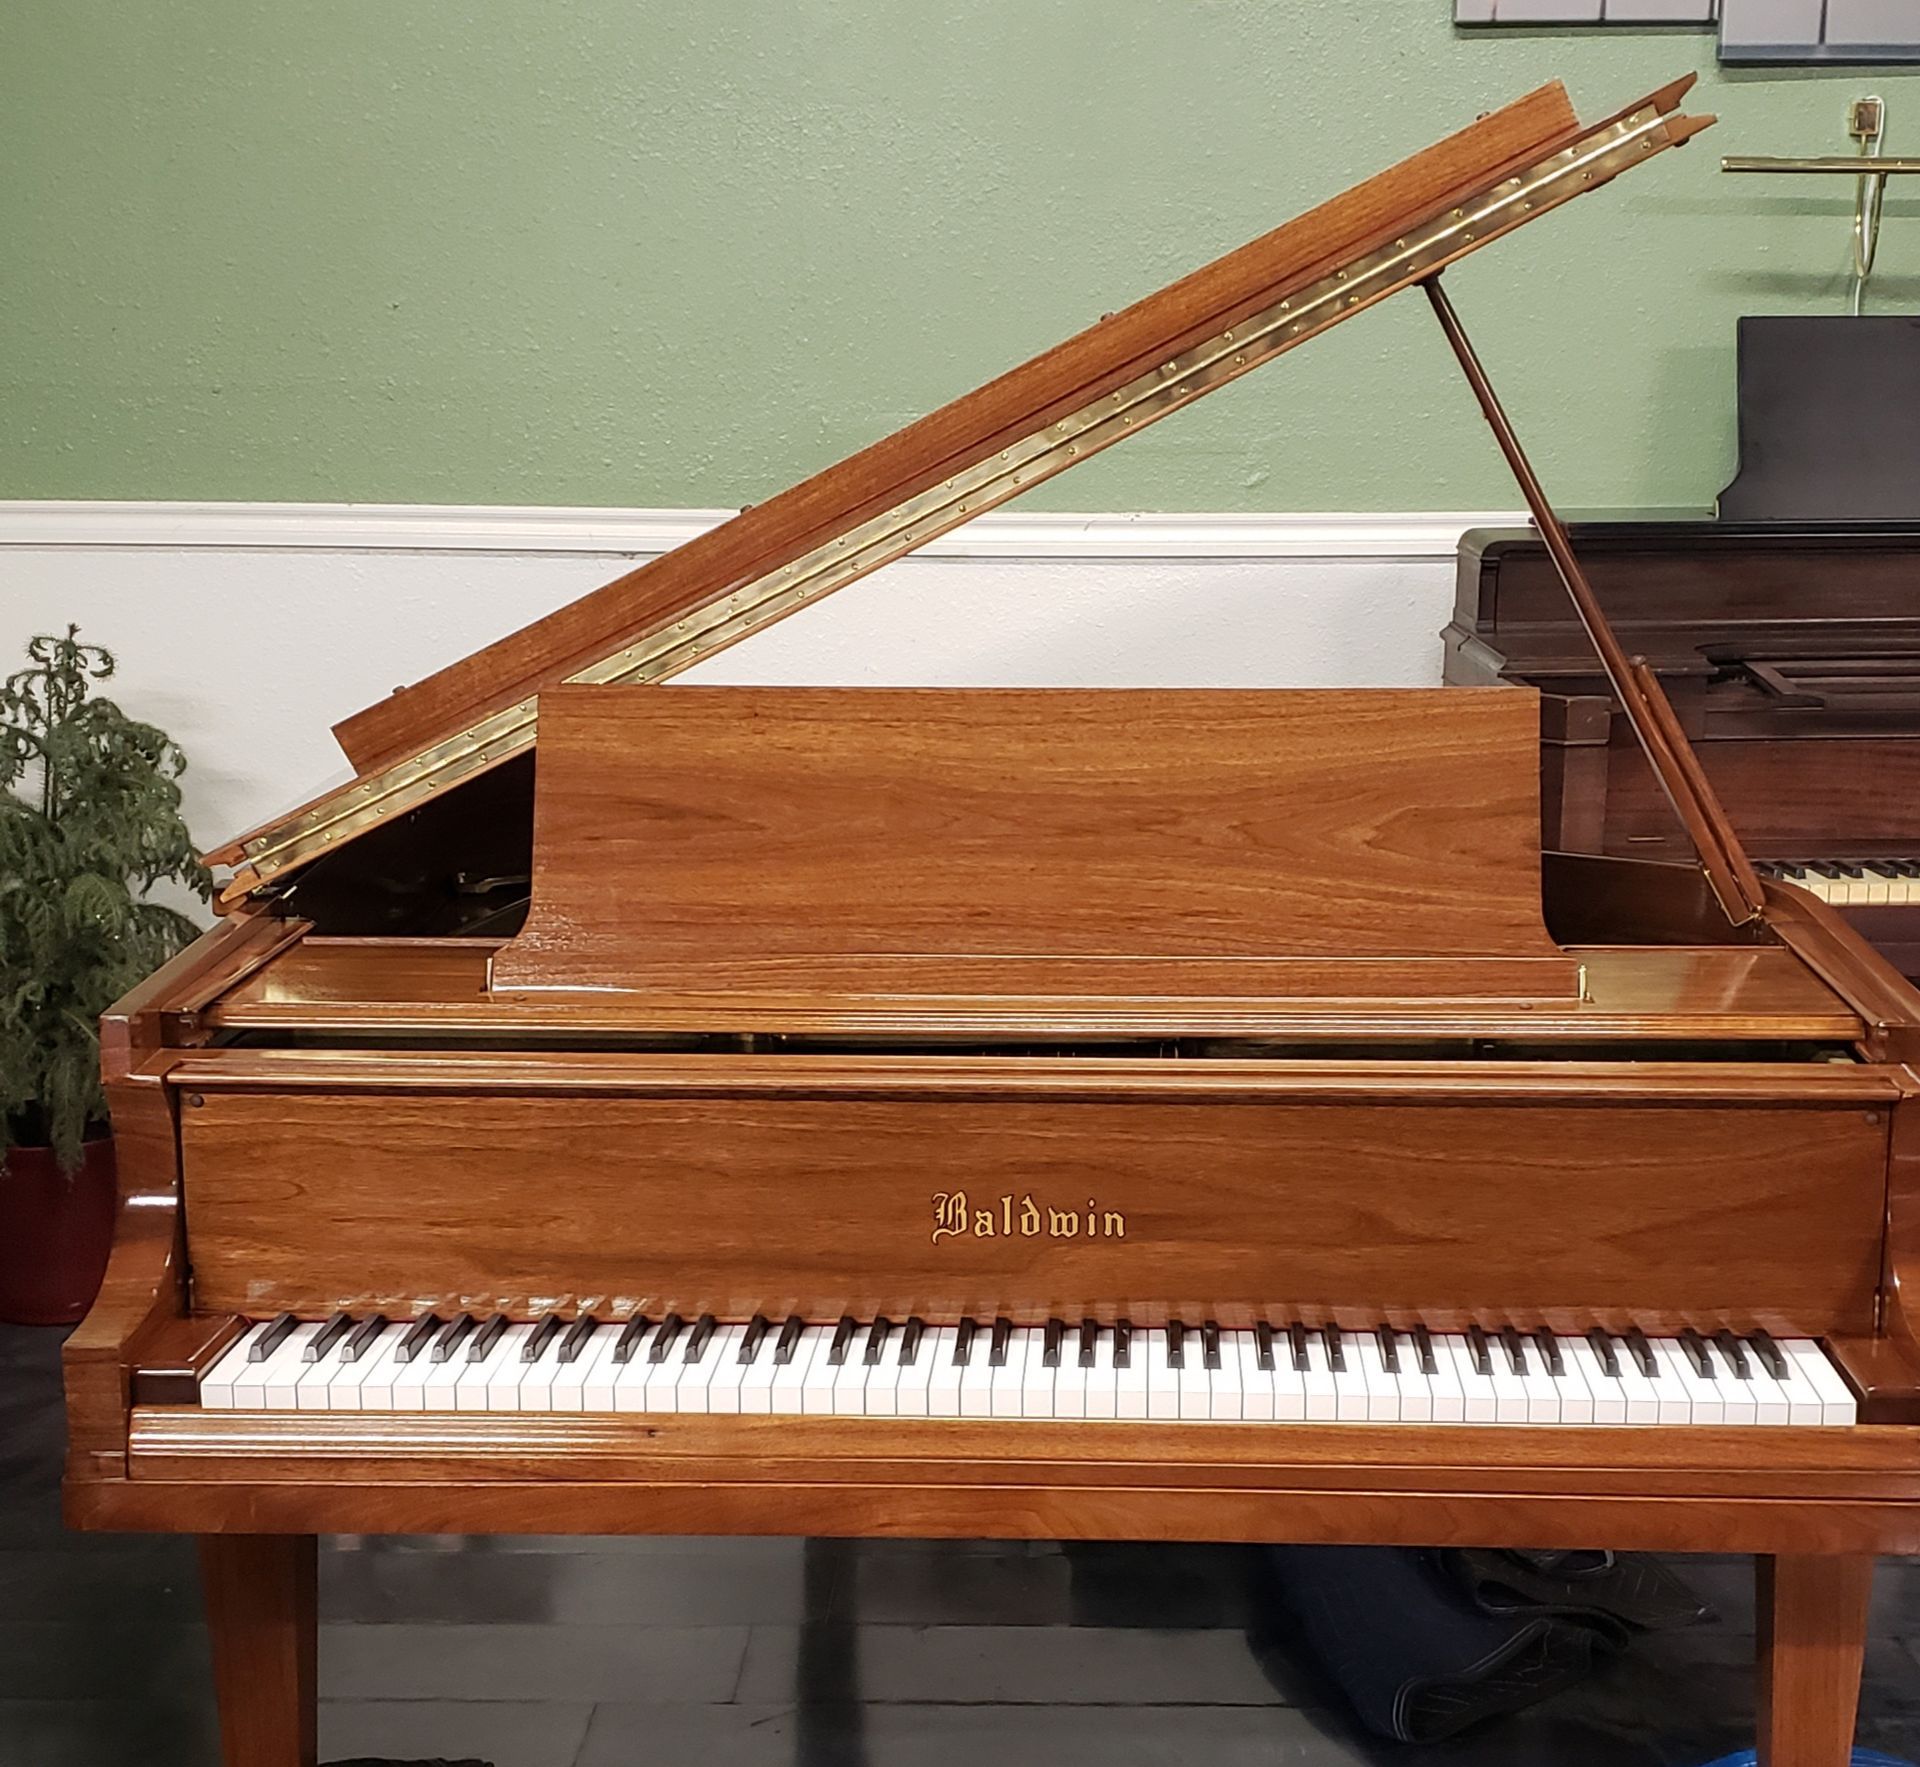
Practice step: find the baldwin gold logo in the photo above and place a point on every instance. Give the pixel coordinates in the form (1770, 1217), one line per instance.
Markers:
(1010, 1217)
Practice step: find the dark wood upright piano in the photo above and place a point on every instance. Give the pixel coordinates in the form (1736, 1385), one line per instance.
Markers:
(1147, 1115)
(1790, 650)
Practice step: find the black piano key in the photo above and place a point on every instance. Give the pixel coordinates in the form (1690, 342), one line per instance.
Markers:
(419, 1335)
(1176, 1344)
(1389, 1341)
(877, 1342)
(549, 1328)
(1908, 867)
(327, 1336)
(757, 1328)
(451, 1339)
(1123, 1343)
(364, 1338)
(1794, 872)
(1002, 1342)
(1263, 1345)
(1477, 1348)
(630, 1336)
(272, 1338)
(1516, 1350)
(1297, 1343)
(579, 1335)
(1697, 1353)
(1735, 1353)
(1851, 870)
(963, 1335)
(1602, 1343)
(1550, 1352)
(1336, 1349)
(842, 1339)
(486, 1337)
(910, 1338)
(789, 1337)
(701, 1335)
(1769, 1353)
(1880, 868)
(1089, 1341)
(663, 1340)
(1823, 868)
(1423, 1345)
(1210, 1345)
(1642, 1353)
(1050, 1346)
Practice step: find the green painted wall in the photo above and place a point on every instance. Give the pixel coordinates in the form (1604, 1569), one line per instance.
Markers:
(658, 252)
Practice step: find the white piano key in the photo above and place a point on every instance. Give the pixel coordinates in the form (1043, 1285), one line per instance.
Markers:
(1192, 1384)
(941, 1376)
(817, 1384)
(1039, 1382)
(505, 1368)
(850, 1378)
(1289, 1383)
(1739, 1403)
(573, 1380)
(1130, 1377)
(281, 1372)
(385, 1368)
(786, 1394)
(1228, 1399)
(1805, 1408)
(1771, 1407)
(1701, 1399)
(1070, 1379)
(1606, 1394)
(976, 1376)
(756, 1380)
(1837, 1403)
(1412, 1393)
(723, 1383)
(1575, 1396)
(1103, 1378)
(1323, 1400)
(1163, 1379)
(632, 1379)
(1512, 1402)
(1256, 1383)
(1349, 1383)
(1443, 1384)
(1477, 1391)
(347, 1390)
(1542, 1390)
(218, 1383)
(1382, 1388)
(880, 1379)
(600, 1391)
(1006, 1381)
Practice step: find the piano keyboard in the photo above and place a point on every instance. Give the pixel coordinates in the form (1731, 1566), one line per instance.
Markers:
(994, 1369)
(1849, 883)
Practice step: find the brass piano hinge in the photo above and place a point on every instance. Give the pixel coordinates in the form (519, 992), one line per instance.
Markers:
(1490, 213)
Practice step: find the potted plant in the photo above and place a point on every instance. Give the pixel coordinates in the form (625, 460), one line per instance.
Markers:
(89, 824)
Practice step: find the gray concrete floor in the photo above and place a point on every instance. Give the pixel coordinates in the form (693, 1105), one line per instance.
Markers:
(749, 1653)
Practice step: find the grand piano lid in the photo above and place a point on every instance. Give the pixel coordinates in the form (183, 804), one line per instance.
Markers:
(1385, 235)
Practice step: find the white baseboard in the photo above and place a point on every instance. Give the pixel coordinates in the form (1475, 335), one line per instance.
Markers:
(628, 533)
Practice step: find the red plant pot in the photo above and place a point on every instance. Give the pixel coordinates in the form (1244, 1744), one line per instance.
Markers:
(56, 1229)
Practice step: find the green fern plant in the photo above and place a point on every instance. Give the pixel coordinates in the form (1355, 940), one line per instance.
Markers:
(89, 824)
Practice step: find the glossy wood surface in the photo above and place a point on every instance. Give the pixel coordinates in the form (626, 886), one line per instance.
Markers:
(1812, 1615)
(422, 988)
(887, 844)
(1127, 1187)
(1106, 355)
(1854, 1490)
(262, 1626)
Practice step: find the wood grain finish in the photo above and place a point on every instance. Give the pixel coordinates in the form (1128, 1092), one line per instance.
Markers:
(816, 1192)
(261, 1622)
(1813, 1640)
(426, 989)
(1105, 356)
(1812, 1491)
(900, 843)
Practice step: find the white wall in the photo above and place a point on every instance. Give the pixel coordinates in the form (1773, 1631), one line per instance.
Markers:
(247, 630)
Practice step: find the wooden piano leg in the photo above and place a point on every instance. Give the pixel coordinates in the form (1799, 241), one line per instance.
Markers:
(261, 1614)
(1813, 1636)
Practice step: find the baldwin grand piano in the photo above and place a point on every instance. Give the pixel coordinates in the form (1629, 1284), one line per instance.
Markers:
(1146, 1115)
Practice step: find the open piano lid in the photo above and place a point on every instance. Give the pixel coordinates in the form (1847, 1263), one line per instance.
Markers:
(1397, 229)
